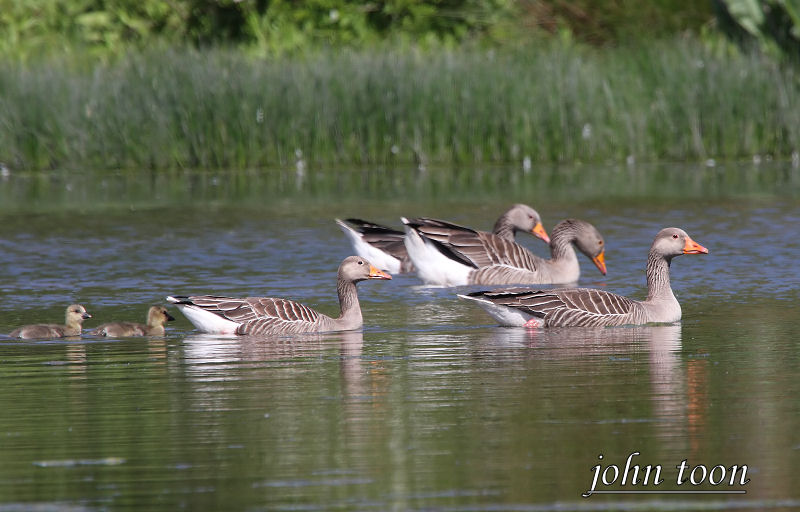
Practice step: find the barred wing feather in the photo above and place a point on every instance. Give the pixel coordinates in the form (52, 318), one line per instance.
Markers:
(583, 307)
(588, 307)
(475, 248)
(260, 314)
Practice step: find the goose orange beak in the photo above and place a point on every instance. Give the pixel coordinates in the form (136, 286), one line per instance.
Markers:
(539, 232)
(692, 247)
(375, 273)
(600, 261)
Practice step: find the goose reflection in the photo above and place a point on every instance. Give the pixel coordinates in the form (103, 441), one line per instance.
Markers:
(220, 350)
(670, 396)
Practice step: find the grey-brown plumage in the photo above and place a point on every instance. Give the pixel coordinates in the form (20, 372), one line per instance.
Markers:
(379, 244)
(268, 315)
(587, 307)
(367, 237)
(157, 317)
(453, 257)
(74, 317)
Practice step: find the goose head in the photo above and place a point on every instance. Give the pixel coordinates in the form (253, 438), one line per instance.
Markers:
(525, 218)
(158, 316)
(356, 268)
(671, 242)
(590, 242)
(76, 314)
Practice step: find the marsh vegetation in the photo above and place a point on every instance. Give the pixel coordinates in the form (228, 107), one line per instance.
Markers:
(556, 103)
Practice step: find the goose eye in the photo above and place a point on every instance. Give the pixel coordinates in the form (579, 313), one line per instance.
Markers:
(360, 262)
(600, 242)
(675, 236)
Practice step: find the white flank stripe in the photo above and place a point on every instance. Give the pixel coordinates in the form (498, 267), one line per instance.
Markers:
(206, 321)
(504, 315)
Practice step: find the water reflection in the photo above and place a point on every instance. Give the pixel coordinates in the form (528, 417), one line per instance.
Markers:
(202, 349)
(657, 347)
(428, 407)
(668, 379)
(565, 341)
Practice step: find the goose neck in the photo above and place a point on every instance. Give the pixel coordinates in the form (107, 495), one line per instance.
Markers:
(348, 300)
(658, 285)
(504, 228)
(561, 241)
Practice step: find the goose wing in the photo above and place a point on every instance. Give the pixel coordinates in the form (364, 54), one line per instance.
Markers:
(581, 307)
(384, 238)
(474, 248)
(259, 314)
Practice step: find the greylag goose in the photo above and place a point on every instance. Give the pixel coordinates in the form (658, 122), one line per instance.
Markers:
(451, 257)
(385, 248)
(267, 315)
(157, 317)
(74, 317)
(587, 307)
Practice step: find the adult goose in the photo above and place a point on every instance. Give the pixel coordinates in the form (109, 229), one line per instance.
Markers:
(267, 315)
(455, 257)
(157, 317)
(74, 318)
(587, 307)
(385, 248)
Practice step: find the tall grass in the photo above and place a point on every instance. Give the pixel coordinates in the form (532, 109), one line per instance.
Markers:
(561, 103)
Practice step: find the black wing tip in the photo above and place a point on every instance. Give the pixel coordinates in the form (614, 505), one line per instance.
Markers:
(355, 220)
(481, 293)
(508, 292)
(366, 227)
(179, 299)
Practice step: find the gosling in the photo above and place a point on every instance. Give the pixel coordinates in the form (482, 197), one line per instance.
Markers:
(157, 316)
(75, 316)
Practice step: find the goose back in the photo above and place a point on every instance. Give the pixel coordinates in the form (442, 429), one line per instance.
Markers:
(578, 307)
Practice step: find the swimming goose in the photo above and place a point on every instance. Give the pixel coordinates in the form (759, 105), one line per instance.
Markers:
(451, 257)
(385, 248)
(587, 307)
(267, 315)
(157, 316)
(75, 316)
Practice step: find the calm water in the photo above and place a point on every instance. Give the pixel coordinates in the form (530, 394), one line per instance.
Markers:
(432, 406)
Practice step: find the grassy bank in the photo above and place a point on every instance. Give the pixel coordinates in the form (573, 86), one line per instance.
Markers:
(561, 103)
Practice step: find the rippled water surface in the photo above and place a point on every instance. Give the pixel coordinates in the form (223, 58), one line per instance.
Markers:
(431, 406)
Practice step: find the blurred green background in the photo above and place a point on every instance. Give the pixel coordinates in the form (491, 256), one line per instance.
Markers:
(131, 84)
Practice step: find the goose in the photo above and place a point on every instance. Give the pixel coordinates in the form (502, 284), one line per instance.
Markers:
(74, 318)
(157, 316)
(385, 248)
(588, 307)
(450, 257)
(268, 315)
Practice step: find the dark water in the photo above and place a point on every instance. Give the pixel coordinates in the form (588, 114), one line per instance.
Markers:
(431, 406)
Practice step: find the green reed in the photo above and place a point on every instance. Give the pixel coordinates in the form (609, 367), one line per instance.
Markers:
(555, 103)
